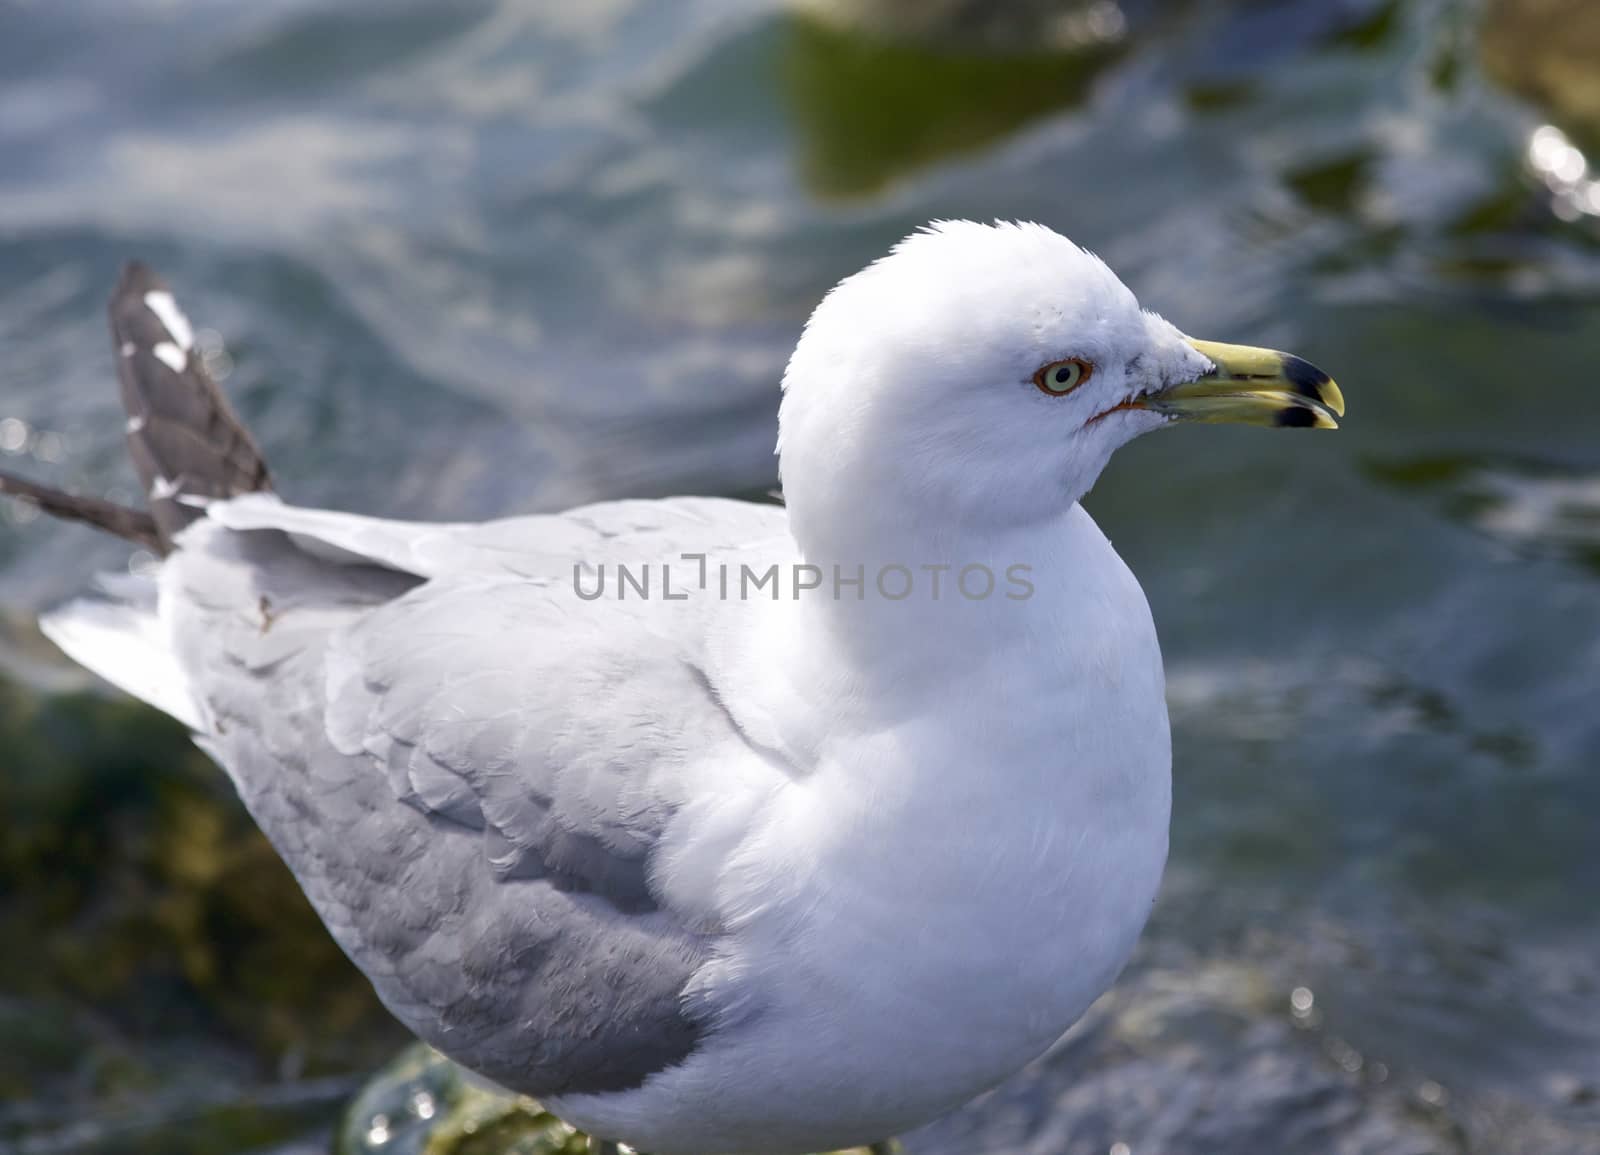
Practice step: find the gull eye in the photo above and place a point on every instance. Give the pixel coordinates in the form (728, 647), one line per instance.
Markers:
(1060, 377)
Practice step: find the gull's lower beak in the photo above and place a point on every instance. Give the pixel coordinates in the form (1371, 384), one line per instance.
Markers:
(1251, 386)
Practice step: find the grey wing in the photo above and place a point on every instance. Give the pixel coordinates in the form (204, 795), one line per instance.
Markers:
(469, 778)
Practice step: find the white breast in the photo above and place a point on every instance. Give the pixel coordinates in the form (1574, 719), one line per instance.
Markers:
(940, 898)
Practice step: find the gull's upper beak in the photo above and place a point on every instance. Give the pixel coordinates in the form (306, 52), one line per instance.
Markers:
(1252, 387)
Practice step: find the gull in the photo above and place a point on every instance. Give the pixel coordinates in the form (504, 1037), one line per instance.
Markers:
(717, 826)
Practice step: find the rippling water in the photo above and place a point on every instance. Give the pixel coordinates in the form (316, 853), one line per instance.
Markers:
(501, 256)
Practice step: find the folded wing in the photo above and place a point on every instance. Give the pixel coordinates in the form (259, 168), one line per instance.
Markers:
(474, 777)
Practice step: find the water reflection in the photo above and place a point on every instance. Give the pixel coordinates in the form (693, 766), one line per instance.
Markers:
(1564, 169)
(979, 25)
(1532, 507)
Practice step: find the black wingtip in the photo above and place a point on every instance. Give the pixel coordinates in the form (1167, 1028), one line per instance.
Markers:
(135, 525)
(185, 439)
(136, 280)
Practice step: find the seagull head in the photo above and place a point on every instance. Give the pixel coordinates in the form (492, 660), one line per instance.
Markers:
(981, 376)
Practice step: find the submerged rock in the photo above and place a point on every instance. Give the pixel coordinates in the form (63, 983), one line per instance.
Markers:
(876, 98)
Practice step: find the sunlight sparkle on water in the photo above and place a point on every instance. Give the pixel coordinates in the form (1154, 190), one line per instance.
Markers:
(13, 435)
(1301, 1000)
(1564, 169)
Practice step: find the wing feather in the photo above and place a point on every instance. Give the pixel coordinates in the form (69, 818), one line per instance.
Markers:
(470, 771)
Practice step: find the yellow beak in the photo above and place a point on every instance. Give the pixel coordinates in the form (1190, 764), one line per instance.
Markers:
(1250, 386)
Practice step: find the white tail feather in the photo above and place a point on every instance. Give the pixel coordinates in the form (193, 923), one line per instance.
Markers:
(125, 644)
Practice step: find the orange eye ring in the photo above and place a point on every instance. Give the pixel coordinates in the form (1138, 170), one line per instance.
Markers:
(1061, 377)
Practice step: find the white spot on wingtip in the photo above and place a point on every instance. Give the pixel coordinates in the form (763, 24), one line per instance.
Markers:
(136, 423)
(128, 349)
(164, 488)
(175, 358)
(167, 312)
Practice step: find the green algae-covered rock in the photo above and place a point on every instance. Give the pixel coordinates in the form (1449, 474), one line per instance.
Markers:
(136, 887)
(165, 987)
(423, 1104)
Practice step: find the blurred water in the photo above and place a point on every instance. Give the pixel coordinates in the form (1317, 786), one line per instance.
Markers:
(546, 252)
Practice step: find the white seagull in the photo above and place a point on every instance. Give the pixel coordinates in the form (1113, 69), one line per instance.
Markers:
(719, 827)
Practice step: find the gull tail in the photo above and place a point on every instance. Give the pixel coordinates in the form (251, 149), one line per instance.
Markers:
(188, 447)
(187, 444)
